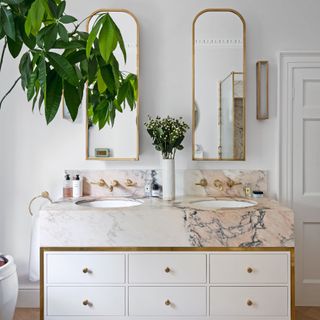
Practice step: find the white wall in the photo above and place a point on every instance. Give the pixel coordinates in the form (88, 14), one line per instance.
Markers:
(33, 156)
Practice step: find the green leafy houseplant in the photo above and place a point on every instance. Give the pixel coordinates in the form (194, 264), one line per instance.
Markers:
(60, 59)
(167, 135)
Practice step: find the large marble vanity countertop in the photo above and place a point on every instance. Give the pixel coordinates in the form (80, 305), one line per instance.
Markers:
(158, 223)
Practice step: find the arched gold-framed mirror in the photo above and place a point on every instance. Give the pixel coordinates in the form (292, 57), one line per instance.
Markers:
(118, 139)
(219, 86)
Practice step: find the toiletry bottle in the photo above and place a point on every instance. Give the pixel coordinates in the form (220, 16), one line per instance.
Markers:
(67, 187)
(77, 187)
(155, 190)
(148, 189)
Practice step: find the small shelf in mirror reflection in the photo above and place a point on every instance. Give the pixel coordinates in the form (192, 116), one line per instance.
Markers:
(262, 69)
(118, 139)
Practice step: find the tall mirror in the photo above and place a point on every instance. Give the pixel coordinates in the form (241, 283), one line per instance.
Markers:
(219, 47)
(116, 101)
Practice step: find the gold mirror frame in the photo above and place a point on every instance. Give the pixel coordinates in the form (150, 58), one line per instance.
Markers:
(193, 84)
(136, 158)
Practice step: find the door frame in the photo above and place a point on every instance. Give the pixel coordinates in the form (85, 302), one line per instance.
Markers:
(288, 61)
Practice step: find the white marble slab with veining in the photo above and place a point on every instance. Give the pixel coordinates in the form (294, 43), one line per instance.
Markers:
(158, 223)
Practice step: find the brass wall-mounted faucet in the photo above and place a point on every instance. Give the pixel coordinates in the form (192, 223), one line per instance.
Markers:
(230, 183)
(218, 184)
(102, 183)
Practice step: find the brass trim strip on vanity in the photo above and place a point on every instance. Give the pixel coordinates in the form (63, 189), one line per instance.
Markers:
(291, 250)
(244, 83)
(138, 98)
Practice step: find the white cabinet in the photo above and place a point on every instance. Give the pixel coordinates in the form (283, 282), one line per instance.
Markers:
(175, 284)
(249, 268)
(167, 268)
(249, 301)
(167, 301)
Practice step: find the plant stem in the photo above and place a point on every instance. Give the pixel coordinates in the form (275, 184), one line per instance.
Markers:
(9, 91)
(2, 54)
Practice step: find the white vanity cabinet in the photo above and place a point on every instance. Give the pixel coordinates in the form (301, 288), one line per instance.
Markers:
(167, 283)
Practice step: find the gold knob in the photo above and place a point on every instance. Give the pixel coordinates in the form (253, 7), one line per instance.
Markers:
(85, 270)
(203, 183)
(167, 302)
(249, 303)
(249, 270)
(167, 269)
(85, 302)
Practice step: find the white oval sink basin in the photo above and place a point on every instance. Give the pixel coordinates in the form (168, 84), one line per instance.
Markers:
(110, 203)
(223, 204)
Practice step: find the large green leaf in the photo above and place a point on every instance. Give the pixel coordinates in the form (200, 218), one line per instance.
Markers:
(34, 17)
(63, 33)
(108, 78)
(25, 69)
(8, 23)
(72, 98)
(123, 91)
(31, 84)
(92, 70)
(63, 67)
(53, 96)
(15, 46)
(53, 8)
(120, 40)
(42, 74)
(107, 39)
(29, 41)
(92, 36)
(61, 8)
(50, 36)
(77, 56)
(116, 71)
(67, 19)
(102, 86)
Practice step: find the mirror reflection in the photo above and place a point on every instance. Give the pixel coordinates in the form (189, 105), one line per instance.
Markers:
(116, 137)
(219, 86)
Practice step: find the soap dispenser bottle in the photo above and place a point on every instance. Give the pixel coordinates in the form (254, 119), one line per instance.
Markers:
(67, 186)
(77, 187)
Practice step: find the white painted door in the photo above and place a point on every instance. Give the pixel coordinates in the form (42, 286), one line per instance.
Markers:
(306, 181)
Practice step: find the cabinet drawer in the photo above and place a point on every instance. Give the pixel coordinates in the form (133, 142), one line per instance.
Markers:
(249, 301)
(240, 268)
(167, 301)
(85, 268)
(167, 268)
(85, 301)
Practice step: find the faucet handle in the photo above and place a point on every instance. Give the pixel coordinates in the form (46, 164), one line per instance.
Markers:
(100, 183)
(203, 182)
(130, 183)
(115, 183)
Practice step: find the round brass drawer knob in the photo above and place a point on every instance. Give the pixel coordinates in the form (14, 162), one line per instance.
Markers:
(85, 302)
(168, 302)
(249, 270)
(249, 303)
(85, 270)
(167, 270)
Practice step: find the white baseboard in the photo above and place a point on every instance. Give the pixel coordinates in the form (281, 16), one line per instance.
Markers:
(28, 298)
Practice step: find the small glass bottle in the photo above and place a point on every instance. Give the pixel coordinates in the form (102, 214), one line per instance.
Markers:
(67, 187)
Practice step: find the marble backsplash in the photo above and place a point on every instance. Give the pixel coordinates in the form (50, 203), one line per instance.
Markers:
(186, 182)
